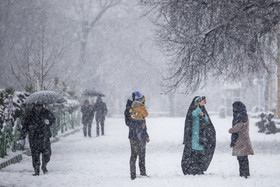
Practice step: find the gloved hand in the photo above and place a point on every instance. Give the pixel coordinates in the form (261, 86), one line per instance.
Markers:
(21, 141)
(47, 122)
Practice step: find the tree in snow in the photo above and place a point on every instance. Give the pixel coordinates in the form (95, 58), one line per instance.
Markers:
(90, 12)
(41, 53)
(215, 38)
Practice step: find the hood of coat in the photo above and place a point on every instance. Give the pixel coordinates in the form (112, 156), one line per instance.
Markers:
(128, 103)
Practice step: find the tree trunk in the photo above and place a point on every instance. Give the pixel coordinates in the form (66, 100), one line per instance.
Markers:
(278, 72)
(278, 84)
(83, 53)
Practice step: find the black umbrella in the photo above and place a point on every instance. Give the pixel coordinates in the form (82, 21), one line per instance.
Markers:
(45, 97)
(93, 93)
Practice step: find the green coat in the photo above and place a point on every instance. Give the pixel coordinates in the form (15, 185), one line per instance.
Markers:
(195, 130)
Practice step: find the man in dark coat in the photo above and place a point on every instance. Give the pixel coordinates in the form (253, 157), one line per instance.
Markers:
(101, 111)
(88, 115)
(37, 125)
(138, 137)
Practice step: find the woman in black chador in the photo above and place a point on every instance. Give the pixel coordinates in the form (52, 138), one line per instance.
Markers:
(199, 139)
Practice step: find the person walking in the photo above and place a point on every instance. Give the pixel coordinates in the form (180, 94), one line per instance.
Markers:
(240, 140)
(87, 117)
(37, 125)
(101, 111)
(135, 114)
(194, 150)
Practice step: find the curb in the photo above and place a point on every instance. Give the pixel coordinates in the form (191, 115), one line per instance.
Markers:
(13, 160)
(18, 158)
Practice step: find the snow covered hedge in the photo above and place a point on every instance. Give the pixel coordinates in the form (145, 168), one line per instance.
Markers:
(11, 105)
(12, 111)
(16, 110)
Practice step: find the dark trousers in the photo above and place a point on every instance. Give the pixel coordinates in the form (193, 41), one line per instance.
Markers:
(87, 127)
(243, 166)
(137, 149)
(101, 122)
(36, 150)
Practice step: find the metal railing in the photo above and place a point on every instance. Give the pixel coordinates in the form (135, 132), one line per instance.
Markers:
(9, 134)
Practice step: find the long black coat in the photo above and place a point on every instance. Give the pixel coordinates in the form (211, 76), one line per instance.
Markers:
(34, 125)
(208, 134)
(88, 114)
(207, 137)
(187, 141)
(101, 110)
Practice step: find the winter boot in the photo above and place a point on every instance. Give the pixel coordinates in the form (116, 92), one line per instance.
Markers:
(44, 168)
(145, 175)
(133, 176)
(36, 171)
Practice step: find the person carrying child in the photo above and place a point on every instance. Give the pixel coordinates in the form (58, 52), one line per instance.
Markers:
(135, 114)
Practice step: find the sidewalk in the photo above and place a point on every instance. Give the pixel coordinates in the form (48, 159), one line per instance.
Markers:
(15, 157)
(104, 161)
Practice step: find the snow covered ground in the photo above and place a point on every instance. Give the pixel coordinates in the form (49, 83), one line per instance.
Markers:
(104, 161)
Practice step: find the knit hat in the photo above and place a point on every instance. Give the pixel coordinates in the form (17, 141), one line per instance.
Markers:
(139, 97)
(98, 99)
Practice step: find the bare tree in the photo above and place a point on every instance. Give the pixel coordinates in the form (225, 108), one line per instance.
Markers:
(35, 60)
(217, 38)
(9, 34)
(90, 12)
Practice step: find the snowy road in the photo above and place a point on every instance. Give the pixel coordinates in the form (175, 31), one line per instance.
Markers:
(103, 161)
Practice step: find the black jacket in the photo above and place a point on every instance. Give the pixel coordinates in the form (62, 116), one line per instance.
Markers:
(135, 126)
(127, 112)
(88, 114)
(101, 110)
(34, 125)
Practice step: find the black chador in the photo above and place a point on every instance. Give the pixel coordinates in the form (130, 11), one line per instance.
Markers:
(196, 159)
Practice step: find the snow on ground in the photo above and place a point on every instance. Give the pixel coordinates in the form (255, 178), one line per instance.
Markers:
(104, 161)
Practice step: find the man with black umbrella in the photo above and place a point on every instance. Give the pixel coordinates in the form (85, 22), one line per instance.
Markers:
(37, 125)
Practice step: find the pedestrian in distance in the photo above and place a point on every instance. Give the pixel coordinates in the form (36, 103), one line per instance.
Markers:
(135, 114)
(37, 125)
(240, 140)
(100, 109)
(87, 117)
